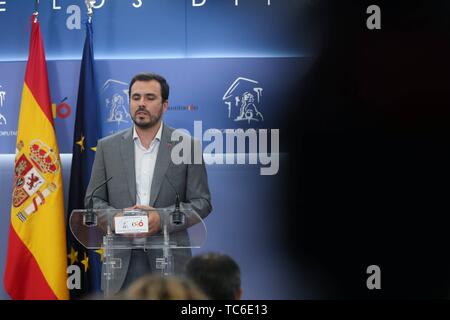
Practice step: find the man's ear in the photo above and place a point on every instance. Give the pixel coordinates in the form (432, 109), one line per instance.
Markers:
(238, 294)
(165, 105)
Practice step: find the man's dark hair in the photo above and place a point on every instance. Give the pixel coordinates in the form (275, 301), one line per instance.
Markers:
(150, 77)
(218, 275)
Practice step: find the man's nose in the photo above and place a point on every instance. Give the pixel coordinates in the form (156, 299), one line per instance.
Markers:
(141, 103)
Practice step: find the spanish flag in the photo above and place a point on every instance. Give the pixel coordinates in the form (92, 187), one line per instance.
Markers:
(36, 261)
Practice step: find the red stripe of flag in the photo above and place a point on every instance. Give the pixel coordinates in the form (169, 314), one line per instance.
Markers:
(23, 263)
(37, 72)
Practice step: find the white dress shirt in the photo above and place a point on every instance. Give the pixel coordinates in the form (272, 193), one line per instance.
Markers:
(144, 163)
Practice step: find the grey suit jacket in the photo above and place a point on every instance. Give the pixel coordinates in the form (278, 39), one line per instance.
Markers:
(115, 158)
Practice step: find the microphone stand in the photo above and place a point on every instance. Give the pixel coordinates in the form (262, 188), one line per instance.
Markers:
(177, 216)
(90, 218)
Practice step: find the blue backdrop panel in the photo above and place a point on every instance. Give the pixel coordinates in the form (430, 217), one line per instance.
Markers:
(161, 28)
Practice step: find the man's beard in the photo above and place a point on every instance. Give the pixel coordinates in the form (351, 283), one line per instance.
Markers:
(154, 119)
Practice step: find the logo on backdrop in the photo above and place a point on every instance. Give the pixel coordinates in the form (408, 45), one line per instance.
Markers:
(189, 107)
(2, 101)
(62, 110)
(115, 97)
(242, 99)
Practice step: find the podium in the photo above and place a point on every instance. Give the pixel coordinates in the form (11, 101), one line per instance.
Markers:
(97, 229)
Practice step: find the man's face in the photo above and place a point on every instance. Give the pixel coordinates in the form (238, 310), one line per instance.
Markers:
(146, 105)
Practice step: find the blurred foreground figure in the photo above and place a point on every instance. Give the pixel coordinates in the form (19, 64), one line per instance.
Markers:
(218, 275)
(155, 287)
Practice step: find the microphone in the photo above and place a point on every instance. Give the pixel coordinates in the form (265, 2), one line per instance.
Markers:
(178, 217)
(90, 219)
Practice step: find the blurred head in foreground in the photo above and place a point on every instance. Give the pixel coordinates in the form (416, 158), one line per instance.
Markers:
(156, 287)
(216, 274)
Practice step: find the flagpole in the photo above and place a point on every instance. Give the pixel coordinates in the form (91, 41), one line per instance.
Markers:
(90, 6)
(36, 11)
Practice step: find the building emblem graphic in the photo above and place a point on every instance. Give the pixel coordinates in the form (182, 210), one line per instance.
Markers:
(2, 101)
(243, 99)
(115, 98)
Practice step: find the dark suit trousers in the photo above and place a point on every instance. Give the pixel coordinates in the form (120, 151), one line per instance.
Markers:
(139, 266)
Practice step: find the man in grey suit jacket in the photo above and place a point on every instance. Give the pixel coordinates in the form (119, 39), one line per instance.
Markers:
(144, 176)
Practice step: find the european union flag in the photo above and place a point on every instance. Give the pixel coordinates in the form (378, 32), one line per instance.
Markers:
(85, 138)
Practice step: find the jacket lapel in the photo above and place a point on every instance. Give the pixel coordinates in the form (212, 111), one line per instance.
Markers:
(162, 163)
(127, 149)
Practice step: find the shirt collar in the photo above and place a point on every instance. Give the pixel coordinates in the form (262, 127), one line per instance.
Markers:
(157, 137)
